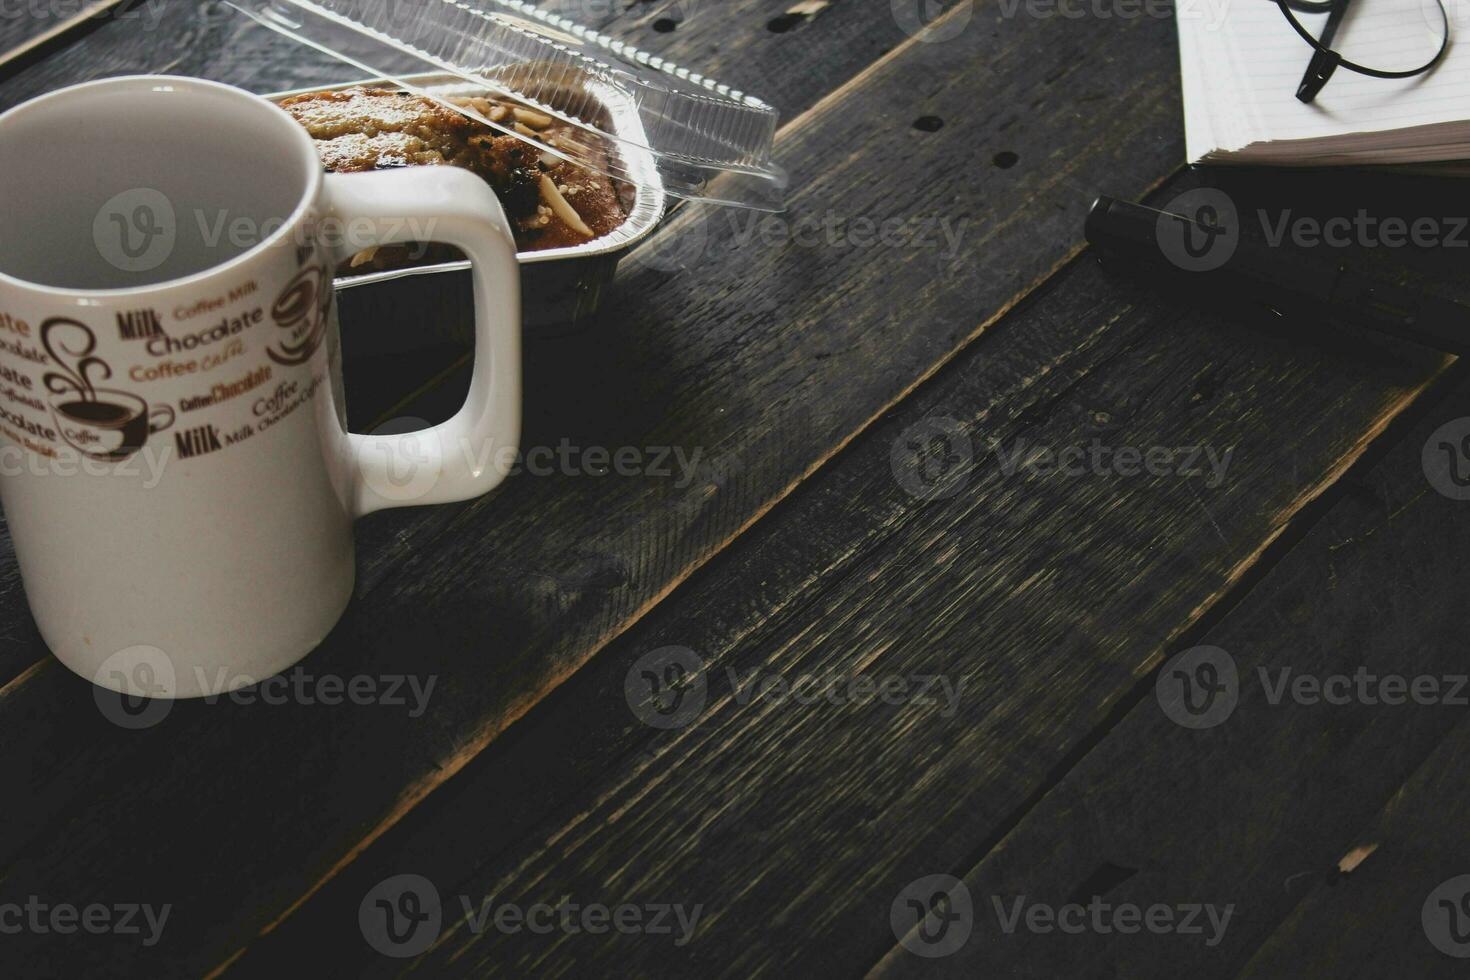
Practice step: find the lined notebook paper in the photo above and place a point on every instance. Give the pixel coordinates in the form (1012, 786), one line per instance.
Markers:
(1242, 62)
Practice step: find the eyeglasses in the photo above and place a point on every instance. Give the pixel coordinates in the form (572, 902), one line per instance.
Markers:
(1326, 59)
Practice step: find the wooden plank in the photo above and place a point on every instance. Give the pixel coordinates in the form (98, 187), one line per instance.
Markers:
(30, 31)
(729, 41)
(795, 826)
(209, 40)
(1259, 811)
(765, 358)
(1402, 911)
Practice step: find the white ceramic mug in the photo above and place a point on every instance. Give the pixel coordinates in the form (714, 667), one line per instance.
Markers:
(177, 474)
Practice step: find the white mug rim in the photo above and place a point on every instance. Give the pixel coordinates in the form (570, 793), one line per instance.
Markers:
(301, 138)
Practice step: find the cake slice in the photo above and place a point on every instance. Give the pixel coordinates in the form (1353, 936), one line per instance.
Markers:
(551, 203)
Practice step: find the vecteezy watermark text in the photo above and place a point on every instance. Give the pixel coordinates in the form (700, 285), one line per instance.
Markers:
(930, 21)
(691, 234)
(1200, 687)
(834, 230)
(1210, 13)
(596, 918)
(934, 458)
(1099, 459)
(1201, 229)
(407, 458)
(298, 686)
(1445, 916)
(668, 688)
(567, 458)
(1446, 459)
(935, 915)
(137, 230)
(135, 688)
(145, 466)
(1363, 686)
(403, 916)
(1103, 918)
(97, 919)
(846, 688)
(1363, 229)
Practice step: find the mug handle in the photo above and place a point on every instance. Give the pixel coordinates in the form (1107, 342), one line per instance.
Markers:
(471, 454)
(160, 411)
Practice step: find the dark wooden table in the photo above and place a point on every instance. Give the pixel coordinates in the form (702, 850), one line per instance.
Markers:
(999, 635)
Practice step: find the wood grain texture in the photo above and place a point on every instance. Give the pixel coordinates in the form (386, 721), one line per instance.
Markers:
(768, 359)
(31, 30)
(731, 42)
(1379, 920)
(784, 823)
(763, 357)
(794, 827)
(202, 38)
(1258, 811)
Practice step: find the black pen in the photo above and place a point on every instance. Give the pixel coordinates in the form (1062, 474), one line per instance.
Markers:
(1286, 279)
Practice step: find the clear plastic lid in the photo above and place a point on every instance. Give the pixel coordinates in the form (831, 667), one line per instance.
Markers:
(628, 114)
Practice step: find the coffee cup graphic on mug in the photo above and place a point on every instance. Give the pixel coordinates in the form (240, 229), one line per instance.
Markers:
(110, 425)
(98, 423)
(177, 396)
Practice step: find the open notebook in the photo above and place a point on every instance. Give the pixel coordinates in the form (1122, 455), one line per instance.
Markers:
(1241, 63)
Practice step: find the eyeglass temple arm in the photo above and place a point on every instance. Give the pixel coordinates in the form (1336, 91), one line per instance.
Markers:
(1326, 61)
(1323, 63)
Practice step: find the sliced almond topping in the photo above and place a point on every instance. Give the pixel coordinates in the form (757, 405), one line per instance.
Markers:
(1350, 861)
(365, 256)
(533, 119)
(493, 111)
(562, 209)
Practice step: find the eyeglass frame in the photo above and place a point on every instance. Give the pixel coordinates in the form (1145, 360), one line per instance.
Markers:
(1325, 61)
